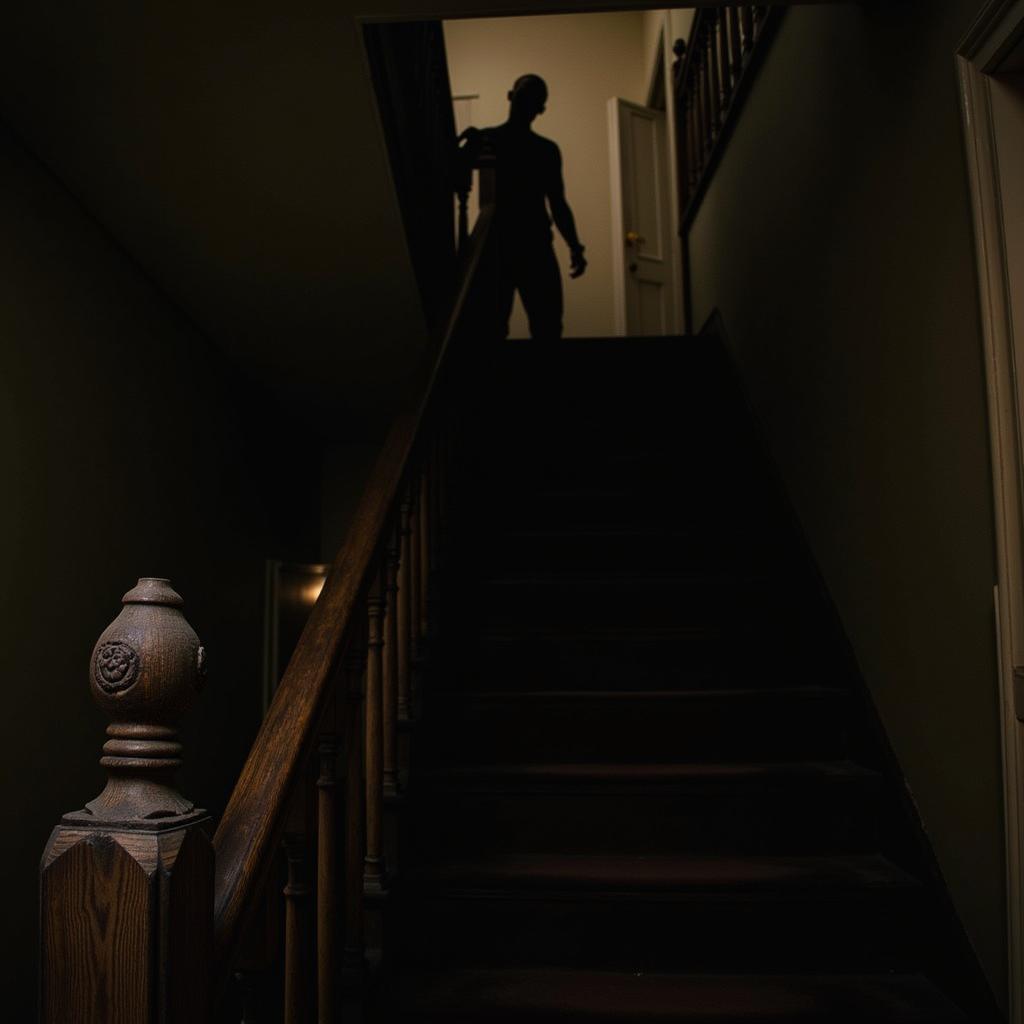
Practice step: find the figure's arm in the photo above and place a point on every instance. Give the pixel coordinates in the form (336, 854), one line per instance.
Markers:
(563, 218)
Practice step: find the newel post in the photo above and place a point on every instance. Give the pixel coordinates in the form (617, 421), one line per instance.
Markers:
(126, 884)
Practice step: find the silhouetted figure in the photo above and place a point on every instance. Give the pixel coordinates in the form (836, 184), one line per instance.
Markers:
(528, 184)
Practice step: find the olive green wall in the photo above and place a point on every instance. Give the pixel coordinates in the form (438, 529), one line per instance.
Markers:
(122, 454)
(836, 242)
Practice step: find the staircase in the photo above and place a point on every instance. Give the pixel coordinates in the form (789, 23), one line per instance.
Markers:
(647, 787)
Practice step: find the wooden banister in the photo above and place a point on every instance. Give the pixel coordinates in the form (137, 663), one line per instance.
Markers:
(249, 831)
(712, 75)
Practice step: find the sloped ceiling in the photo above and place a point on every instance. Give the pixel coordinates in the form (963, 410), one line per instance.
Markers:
(233, 149)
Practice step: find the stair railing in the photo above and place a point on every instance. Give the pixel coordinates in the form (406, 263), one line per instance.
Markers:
(711, 76)
(143, 918)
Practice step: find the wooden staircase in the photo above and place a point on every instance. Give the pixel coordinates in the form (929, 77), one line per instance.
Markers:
(646, 784)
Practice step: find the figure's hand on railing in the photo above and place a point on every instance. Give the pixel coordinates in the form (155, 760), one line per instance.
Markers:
(577, 262)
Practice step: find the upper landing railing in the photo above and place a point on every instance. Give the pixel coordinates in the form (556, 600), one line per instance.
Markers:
(712, 74)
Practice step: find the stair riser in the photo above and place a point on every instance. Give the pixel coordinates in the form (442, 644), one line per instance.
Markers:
(874, 931)
(719, 820)
(785, 728)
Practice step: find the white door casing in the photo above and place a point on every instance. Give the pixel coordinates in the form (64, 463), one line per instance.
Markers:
(644, 267)
(993, 33)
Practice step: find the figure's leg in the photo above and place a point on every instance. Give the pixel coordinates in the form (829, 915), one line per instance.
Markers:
(540, 288)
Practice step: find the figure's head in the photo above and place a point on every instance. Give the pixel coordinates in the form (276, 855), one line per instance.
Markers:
(527, 97)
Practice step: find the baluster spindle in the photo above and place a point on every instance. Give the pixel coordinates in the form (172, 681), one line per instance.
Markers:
(326, 877)
(747, 21)
(374, 870)
(735, 42)
(390, 666)
(424, 549)
(296, 897)
(126, 885)
(353, 955)
(404, 618)
(714, 71)
(415, 572)
(694, 163)
(724, 63)
(705, 90)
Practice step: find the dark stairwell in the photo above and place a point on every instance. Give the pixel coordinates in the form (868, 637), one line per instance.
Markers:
(648, 784)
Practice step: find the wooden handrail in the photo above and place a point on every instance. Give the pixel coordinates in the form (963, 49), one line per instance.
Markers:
(247, 836)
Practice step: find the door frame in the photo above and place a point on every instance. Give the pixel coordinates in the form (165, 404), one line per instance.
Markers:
(997, 29)
(673, 275)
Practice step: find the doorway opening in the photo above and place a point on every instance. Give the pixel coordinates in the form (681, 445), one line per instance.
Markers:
(608, 112)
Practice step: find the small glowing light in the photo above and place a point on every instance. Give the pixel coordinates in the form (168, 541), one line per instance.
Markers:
(311, 591)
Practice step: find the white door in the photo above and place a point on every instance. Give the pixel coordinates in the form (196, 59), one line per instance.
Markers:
(642, 251)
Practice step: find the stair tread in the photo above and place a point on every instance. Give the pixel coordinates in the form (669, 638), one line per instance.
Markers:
(600, 995)
(668, 875)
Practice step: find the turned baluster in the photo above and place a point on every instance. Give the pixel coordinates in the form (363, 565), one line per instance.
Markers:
(126, 885)
(724, 63)
(353, 955)
(326, 876)
(705, 95)
(374, 869)
(747, 21)
(404, 618)
(296, 910)
(415, 567)
(714, 72)
(735, 42)
(390, 666)
(423, 505)
(694, 162)
(415, 576)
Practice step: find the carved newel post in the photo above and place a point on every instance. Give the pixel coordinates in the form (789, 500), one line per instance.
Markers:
(126, 884)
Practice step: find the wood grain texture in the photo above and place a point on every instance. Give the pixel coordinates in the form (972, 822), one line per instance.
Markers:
(126, 926)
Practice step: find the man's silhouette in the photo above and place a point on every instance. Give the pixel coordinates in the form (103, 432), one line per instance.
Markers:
(528, 184)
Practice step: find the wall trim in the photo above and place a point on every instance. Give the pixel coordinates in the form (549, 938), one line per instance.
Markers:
(992, 35)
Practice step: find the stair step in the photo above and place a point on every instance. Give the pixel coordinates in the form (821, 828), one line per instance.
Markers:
(662, 599)
(747, 808)
(697, 547)
(617, 877)
(758, 724)
(665, 913)
(486, 996)
(641, 656)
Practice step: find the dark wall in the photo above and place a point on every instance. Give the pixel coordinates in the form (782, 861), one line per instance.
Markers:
(123, 452)
(836, 241)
